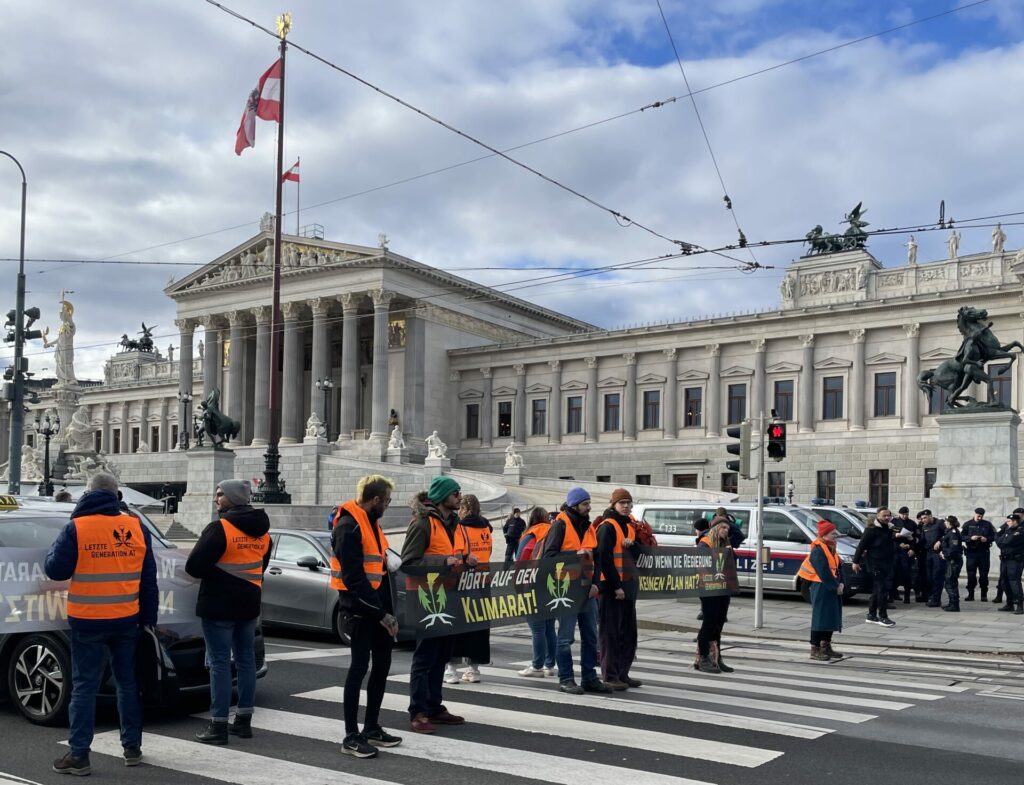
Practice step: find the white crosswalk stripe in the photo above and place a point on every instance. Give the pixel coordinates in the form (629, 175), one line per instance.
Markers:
(307, 654)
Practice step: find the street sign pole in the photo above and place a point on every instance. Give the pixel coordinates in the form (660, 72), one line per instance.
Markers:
(759, 556)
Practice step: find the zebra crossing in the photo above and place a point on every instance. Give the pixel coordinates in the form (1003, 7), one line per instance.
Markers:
(681, 728)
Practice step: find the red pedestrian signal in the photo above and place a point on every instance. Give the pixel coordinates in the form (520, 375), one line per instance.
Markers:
(777, 441)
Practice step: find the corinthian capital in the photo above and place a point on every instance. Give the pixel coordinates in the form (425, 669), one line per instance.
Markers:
(320, 305)
(291, 310)
(261, 313)
(382, 298)
(857, 336)
(912, 330)
(807, 340)
(237, 318)
(714, 349)
(186, 326)
(349, 302)
(212, 321)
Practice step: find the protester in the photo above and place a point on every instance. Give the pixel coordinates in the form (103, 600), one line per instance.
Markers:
(108, 556)
(932, 531)
(978, 534)
(359, 572)
(229, 559)
(614, 559)
(952, 550)
(821, 570)
(571, 531)
(714, 608)
(1011, 549)
(434, 543)
(876, 550)
(513, 529)
(542, 633)
(473, 648)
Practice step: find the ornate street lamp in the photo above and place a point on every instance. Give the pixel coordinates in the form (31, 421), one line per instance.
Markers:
(326, 385)
(47, 429)
(186, 399)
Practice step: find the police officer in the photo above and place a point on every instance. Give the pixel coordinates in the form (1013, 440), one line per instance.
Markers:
(978, 535)
(932, 531)
(1001, 583)
(952, 550)
(905, 532)
(1011, 549)
(921, 582)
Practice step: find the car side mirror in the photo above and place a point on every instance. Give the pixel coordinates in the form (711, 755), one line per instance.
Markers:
(309, 562)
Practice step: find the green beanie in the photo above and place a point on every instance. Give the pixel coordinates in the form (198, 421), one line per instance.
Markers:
(441, 487)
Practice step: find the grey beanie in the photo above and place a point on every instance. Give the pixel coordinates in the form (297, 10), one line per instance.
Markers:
(238, 492)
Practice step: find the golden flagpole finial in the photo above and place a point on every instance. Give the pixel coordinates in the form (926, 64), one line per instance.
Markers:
(284, 24)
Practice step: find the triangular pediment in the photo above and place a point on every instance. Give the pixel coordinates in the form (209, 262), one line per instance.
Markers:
(472, 393)
(692, 376)
(784, 367)
(832, 362)
(611, 381)
(574, 385)
(538, 388)
(503, 391)
(938, 354)
(885, 358)
(651, 378)
(738, 370)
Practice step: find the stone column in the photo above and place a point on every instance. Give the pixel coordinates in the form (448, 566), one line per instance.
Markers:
(321, 368)
(415, 375)
(144, 423)
(519, 418)
(211, 355)
(758, 397)
(234, 406)
(670, 416)
(126, 430)
(349, 366)
(911, 395)
(555, 403)
(629, 398)
(291, 407)
(186, 334)
(807, 385)
(458, 415)
(261, 387)
(714, 402)
(379, 416)
(163, 444)
(590, 420)
(105, 438)
(486, 416)
(857, 407)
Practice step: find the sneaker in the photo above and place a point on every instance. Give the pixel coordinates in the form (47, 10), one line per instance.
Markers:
(445, 717)
(421, 724)
(871, 619)
(471, 676)
(356, 746)
(69, 764)
(571, 687)
(532, 673)
(596, 685)
(450, 676)
(132, 756)
(550, 671)
(887, 622)
(379, 737)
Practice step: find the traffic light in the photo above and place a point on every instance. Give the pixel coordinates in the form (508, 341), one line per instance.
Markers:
(777, 441)
(12, 318)
(31, 314)
(740, 448)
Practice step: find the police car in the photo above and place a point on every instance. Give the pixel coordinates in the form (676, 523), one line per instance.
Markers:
(35, 660)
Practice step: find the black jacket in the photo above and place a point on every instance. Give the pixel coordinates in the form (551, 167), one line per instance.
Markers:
(556, 534)
(982, 528)
(932, 534)
(359, 597)
(952, 545)
(225, 597)
(513, 529)
(876, 547)
(1011, 542)
(604, 556)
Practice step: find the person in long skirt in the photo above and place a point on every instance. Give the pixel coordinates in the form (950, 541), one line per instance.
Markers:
(821, 569)
(714, 609)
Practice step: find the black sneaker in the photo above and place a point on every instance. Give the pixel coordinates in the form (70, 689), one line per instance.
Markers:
(132, 756)
(571, 687)
(871, 619)
(355, 745)
(378, 737)
(69, 764)
(887, 622)
(596, 685)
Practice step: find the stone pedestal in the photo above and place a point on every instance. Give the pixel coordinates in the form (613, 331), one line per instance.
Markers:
(977, 464)
(397, 455)
(206, 468)
(513, 475)
(434, 466)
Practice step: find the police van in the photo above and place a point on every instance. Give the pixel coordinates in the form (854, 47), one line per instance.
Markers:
(788, 533)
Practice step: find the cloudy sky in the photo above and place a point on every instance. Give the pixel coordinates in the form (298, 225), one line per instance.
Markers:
(124, 116)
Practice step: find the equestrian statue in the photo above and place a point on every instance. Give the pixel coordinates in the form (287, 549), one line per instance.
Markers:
(213, 423)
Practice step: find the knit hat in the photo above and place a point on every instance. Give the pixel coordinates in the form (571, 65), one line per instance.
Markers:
(441, 487)
(576, 496)
(979, 510)
(621, 495)
(904, 510)
(824, 527)
(700, 525)
(238, 492)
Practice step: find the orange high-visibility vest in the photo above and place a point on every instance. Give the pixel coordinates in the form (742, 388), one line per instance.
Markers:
(808, 573)
(440, 544)
(479, 541)
(243, 554)
(111, 549)
(373, 557)
(618, 550)
(705, 541)
(571, 541)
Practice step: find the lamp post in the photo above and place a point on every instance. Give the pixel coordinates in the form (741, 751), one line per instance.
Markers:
(789, 490)
(47, 429)
(326, 385)
(17, 401)
(185, 399)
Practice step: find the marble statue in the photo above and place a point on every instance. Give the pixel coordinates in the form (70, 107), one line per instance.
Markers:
(435, 447)
(998, 239)
(200, 348)
(382, 241)
(1019, 257)
(64, 354)
(170, 353)
(80, 431)
(862, 276)
(786, 288)
(397, 441)
(30, 471)
(315, 427)
(513, 460)
(911, 251)
(143, 446)
(953, 244)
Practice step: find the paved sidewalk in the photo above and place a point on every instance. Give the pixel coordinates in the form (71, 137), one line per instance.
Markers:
(977, 628)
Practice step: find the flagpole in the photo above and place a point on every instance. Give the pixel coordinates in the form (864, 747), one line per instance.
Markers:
(298, 192)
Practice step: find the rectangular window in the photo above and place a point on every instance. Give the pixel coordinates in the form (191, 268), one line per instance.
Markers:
(730, 482)
(612, 409)
(784, 399)
(885, 394)
(504, 418)
(603, 478)
(154, 438)
(117, 441)
(776, 483)
(97, 441)
(1002, 383)
(693, 403)
(832, 398)
(174, 436)
(937, 400)
(878, 487)
(929, 482)
(652, 409)
(30, 439)
(539, 417)
(574, 414)
(135, 439)
(684, 480)
(827, 485)
(473, 421)
(643, 479)
(737, 403)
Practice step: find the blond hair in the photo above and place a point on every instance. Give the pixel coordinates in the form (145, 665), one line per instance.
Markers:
(373, 485)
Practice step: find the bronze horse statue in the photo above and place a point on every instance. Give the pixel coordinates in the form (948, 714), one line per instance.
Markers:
(214, 424)
(980, 346)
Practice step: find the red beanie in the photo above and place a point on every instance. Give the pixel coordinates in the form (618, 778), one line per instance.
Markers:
(824, 527)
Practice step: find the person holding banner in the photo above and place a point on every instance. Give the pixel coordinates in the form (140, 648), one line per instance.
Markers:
(472, 648)
(571, 531)
(714, 609)
(821, 570)
(544, 637)
(614, 558)
(434, 543)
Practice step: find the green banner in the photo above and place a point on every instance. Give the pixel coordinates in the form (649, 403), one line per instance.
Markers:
(666, 572)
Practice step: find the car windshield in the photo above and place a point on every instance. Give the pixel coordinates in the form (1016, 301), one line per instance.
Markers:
(24, 532)
(805, 517)
(843, 524)
(858, 515)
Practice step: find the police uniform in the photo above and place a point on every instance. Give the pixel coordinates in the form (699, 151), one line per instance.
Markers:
(935, 566)
(1011, 548)
(977, 553)
(953, 553)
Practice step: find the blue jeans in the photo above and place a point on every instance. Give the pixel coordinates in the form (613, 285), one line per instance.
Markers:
(545, 643)
(88, 661)
(223, 637)
(587, 620)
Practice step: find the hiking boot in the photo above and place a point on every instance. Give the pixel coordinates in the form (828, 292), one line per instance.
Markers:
(421, 724)
(571, 687)
(69, 764)
(716, 655)
(616, 685)
(356, 746)
(998, 598)
(707, 665)
(132, 756)
(596, 685)
(818, 653)
(530, 672)
(378, 737)
(241, 726)
(215, 732)
(633, 683)
(832, 654)
(984, 595)
(445, 717)
(1019, 610)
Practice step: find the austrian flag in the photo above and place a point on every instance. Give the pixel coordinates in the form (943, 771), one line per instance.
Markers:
(292, 174)
(264, 102)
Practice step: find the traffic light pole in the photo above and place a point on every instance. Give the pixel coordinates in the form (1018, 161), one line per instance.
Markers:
(18, 400)
(759, 556)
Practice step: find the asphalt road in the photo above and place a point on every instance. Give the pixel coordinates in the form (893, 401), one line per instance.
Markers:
(870, 719)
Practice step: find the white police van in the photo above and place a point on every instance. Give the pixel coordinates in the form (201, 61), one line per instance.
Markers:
(788, 533)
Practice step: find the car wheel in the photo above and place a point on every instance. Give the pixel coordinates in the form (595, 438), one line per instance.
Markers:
(39, 679)
(805, 590)
(338, 631)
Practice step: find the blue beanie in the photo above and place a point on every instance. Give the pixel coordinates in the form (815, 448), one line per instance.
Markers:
(575, 496)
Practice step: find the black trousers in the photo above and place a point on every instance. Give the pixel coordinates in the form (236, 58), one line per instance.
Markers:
(821, 636)
(369, 641)
(953, 567)
(881, 578)
(1001, 583)
(903, 575)
(977, 569)
(922, 582)
(1014, 570)
(427, 674)
(617, 637)
(937, 576)
(715, 610)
